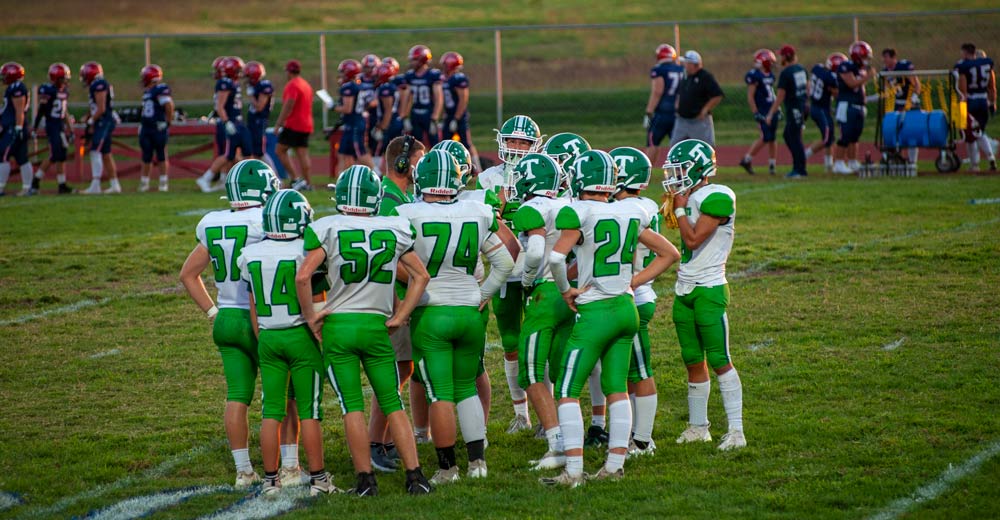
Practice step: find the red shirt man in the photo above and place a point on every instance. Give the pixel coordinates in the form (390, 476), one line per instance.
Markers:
(294, 124)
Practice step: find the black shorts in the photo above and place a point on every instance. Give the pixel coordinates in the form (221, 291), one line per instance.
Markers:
(293, 138)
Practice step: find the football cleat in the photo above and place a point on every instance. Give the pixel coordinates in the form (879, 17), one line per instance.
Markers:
(143, 185)
(365, 486)
(164, 187)
(596, 437)
(444, 476)
(65, 189)
(270, 487)
(381, 461)
(539, 431)
(551, 460)
(695, 434)
(841, 168)
(416, 482)
(770, 169)
(114, 188)
(604, 474)
(635, 451)
(733, 440)
(854, 166)
(94, 189)
(292, 477)
(563, 479)
(393, 454)
(519, 423)
(477, 468)
(245, 480)
(325, 487)
(423, 437)
(746, 165)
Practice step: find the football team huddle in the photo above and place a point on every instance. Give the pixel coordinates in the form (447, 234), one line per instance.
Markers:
(557, 241)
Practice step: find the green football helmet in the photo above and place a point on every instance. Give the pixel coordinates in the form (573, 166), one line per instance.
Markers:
(286, 215)
(437, 174)
(537, 174)
(461, 154)
(358, 191)
(594, 171)
(249, 183)
(564, 147)
(634, 168)
(688, 163)
(517, 127)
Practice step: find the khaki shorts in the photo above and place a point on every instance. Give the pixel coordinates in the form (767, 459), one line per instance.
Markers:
(401, 344)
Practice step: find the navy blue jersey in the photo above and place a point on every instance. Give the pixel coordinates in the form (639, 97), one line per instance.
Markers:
(763, 97)
(101, 85)
(672, 75)
(823, 85)
(154, 102)
(263, 88)
(452, 85)
(52, 103)
(8, 117)
(388, 90)
(355, 119)
(422, 89)
(901, 85)
(855, 96)
(794, 81)
(233, 101)
(366, 93)
(977, 74)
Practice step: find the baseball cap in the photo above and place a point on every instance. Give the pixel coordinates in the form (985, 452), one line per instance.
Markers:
(691, 57)
(293, 66)
(786, 51)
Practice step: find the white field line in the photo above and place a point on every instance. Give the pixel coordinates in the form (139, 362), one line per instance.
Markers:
(9, 500)
(773, 187)
(138, 507)
(754, 347)
(159, 471)
(888, 347)
(938, 486)
(985, 201)
(259, 507)
(85, 304)
(106, 353)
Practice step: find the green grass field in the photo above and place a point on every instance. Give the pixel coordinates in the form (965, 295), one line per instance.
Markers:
(863, 324)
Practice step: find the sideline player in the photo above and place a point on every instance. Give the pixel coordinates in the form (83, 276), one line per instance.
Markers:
(792, 86)
(760, 96)
(823, 87)
(101, 124)
(387, 125)
(456, 104)
(661, 108)
(157, 113)
(352, 107)
(907, 89)
(424, 99)
(260, 93)
(851, 78)
(53, 99)
(706, 214)
(978, 85)
(229, 128)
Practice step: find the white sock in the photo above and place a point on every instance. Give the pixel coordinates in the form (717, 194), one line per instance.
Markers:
(516, 392)
(698, 403)
(143, 179)
(840, 164)
(809, 152)
(828, 160)
(571, 424)
(164, 178)
(596, 393)
(207, 175)
(114, 183)
(620, 419)
(27, 174)
(984, 144)
(39, 174)
(471, 419)
(974, 154)
(522, 410)
(615, 462)
(96, 165)
(598, 420)
(747, 158)
(61, 178)
(554, 437)
(732, 398)
(912, 154)
(4, 175)
(242, 459)
(289, 455)
(645, 416)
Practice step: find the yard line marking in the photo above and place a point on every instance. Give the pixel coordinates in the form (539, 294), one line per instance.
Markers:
(774, 187)
(938, 486)
(754, 347)
(138, 507)
(888, 347)
(9, 500)
(259, 507)
(85, 304)
(985, 201)
(159, 471)
(106, 353)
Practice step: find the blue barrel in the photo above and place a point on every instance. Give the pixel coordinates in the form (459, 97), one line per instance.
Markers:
(270, 142)
(915, 128)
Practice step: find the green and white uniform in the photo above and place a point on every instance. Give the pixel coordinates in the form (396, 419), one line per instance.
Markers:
(361, 255)
(392, 196)
(286, 346)
(702, 293)
(641, 366)
(224, 234)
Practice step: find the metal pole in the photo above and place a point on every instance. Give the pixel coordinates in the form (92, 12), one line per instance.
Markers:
(148, 60)
(857, 34)
(677, 37)
(497, 60)
(322, 74)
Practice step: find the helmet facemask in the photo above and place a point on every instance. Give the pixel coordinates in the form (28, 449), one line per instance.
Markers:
(675, 177)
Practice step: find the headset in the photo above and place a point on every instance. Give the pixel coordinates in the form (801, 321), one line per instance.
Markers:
(402, 164)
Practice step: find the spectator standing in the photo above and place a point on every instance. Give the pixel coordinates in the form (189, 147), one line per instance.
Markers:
(294, 124)
(698, 94)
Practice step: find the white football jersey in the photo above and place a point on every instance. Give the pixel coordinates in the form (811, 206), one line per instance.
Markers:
(492, 178)
(269, 266)
(643, 256)
(449, 238)
(537, 213)
(706, 266)
(605, 255)
(224, 234)
(361, 258)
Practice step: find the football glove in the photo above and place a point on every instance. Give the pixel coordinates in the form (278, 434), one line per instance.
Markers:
(758, 117)
(667, 211)
(377, 134)
(434, 127)
(407, 125)
(230, 128)
(646, 121)
(453, 126)
(162, 125)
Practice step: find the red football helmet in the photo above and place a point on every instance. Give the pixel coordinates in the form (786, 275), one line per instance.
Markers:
(348, 70)
(419, 55)
(763, 59)
(232, 67)
(90, 71)
(150, 74)
(389, 60)
(451, 61)
(861, 52)
(217, 67)
(369, 63)
(59, 72)
(255, 71)
(384, 73)
(834, 60)
(11, 72)
(666, 52)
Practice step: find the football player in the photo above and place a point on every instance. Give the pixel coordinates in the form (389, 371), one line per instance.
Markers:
(665, 76)
(823, 86)
(907, 89)
(634, 171)
(792, 86)
(387, 125)
(565, 147)
(213, 173)
(229, 127)
(852, 75)
(760, 96)
(13, 139)
(101, 124)
(53, 98)
(424, 97)
(260, 92)
(287, 351)
(449, 336)
(369, 96)
(361, 253)
(978, 85)
(157, 113)
(604, 238)
(222, 235)
(351, 106)
(706, 215)
(456, 103)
